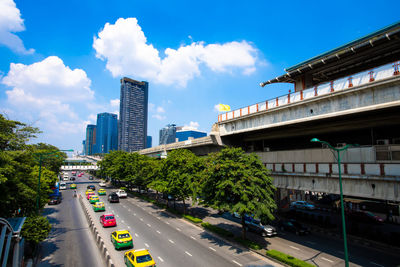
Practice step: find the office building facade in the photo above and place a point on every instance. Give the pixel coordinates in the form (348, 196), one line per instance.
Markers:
(132, 126)
(167, 134)
(106, 132)
(184, 135)
(149, 141)
(90, 139)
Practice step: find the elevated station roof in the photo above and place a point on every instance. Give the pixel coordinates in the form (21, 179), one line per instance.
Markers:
(375, 49)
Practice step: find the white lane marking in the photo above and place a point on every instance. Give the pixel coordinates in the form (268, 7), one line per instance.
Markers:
(178, 229)
(146, 245)
(188, 253)
(294, 248)
(122, 221)
(117, 215)
(129, 209)
(167, 222)
(113, 211)
(148, 225)
(158, 232)
(237, 262)
(160, 259)
(129, 227)
(141, 219)
(374, 263)
(134, 214)
(192, 238)
(213, 249)
(310, 242)
(159, 218)
(326, 259)
(171, 241)
(136, 235)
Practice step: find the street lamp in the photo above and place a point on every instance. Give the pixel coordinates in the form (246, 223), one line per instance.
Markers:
(338, 150)
(40, 157)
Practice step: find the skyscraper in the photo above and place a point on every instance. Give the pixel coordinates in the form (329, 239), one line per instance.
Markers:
(106, 133)
(149, 141)
(168, 134)
(132, 127)
(90, 139)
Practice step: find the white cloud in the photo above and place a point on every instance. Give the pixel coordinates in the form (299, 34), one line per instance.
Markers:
(49, 95)
(160, 110)
(124, 47)
(216, 108)
(11, 22)
(114, 102)
(193, 125)
(159, 117)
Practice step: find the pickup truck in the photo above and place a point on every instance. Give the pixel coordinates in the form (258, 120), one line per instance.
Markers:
(121, 193)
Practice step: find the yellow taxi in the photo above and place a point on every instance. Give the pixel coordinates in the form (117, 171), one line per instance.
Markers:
(99, 206)
(101, 192)
(93, 199)
(121, 239)
(88, 191)
(139, 258)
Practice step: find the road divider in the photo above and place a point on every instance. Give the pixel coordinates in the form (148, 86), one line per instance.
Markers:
(100, 243)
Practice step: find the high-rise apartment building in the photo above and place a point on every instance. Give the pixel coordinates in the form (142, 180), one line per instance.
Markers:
(106, 132)
(167, 134)
(132, 127)
(90, 139)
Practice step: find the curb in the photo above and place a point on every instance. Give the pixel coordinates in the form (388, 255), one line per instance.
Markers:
(100, 243)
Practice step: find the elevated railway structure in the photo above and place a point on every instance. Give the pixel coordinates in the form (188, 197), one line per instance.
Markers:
(349, 95)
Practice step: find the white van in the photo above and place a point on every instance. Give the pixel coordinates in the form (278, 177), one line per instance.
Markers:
(63, 186)
(66, 177)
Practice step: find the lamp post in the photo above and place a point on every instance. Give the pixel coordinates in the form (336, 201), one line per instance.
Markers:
(40, 158)
(338, 150)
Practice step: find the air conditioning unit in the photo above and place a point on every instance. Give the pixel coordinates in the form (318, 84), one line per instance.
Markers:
(382, 142)
(266, 149)
(340, 145)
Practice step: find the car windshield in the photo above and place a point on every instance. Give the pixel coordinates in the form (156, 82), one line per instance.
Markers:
(124, 235)
(370, 214)
(143, 258)
(109, 217)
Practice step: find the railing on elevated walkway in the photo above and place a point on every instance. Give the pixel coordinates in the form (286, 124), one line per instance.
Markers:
(358, 79)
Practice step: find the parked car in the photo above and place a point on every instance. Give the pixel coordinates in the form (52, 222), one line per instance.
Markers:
(302, 205)
(121, 193)
(256, 226)
(364, 217)
(54, 200)
(108, 220)
(293, 226)
(113, 198)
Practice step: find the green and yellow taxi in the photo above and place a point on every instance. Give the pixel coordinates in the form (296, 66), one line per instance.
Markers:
(99, 206)
(102, 192)
(121, 239)
(72, 186)
(93, 199)
(138, 258)
(88, 191)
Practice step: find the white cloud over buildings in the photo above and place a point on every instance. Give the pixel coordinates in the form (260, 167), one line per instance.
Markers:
(125, 49)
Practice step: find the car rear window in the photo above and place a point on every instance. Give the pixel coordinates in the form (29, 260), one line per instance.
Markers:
(109, 217)
(143, 258)
(124, 235)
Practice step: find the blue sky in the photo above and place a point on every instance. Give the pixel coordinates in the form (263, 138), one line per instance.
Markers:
(61, 61)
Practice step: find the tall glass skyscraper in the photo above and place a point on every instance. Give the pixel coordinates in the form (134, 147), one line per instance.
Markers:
(132, 127)
(168, 134)
(106, 133)
(90, 139)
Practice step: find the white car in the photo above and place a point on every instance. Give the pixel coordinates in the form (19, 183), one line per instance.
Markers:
(121, 193)
(102, 184)
(63, 186)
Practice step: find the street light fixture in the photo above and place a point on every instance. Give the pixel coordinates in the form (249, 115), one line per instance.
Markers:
(338, 150)
(40, 157)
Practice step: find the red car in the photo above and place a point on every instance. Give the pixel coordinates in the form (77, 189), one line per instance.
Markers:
(90, 194)
(108, 220)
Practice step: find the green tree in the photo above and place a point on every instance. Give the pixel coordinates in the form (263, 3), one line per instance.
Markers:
(237, 182)
(180, 169)
(36, 229)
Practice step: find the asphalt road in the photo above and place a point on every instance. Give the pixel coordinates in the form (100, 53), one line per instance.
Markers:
(70, 242)
(171, 241)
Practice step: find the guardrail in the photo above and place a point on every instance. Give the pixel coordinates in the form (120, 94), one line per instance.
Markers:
(361, 78)
(368, 169)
